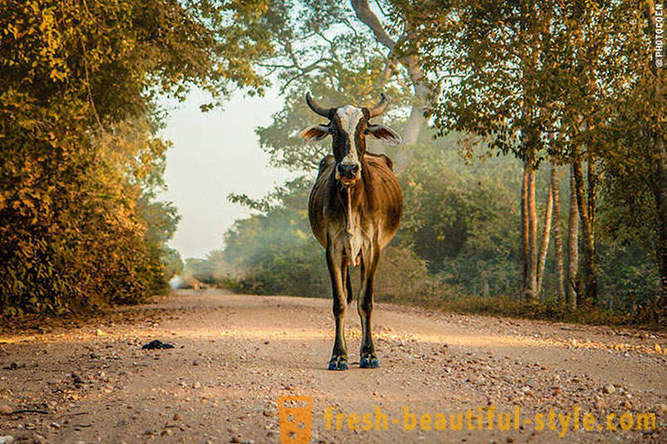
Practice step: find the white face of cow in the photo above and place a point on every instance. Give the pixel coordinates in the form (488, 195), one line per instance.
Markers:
(349, 168)
(349, 125)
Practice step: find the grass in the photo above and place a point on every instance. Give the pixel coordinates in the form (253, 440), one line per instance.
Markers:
(550, 310)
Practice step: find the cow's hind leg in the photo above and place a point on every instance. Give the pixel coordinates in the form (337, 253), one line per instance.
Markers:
(367, 356)
(337, 272)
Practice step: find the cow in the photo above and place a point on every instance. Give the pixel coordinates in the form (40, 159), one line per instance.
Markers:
(354, 209)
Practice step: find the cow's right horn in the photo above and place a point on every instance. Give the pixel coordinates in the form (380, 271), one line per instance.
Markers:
(380, 107)
(317, 108)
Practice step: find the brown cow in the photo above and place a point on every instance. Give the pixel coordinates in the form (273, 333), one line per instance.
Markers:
(354, 208)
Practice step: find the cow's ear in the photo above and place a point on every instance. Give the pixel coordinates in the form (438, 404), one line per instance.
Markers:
(315, 133)
(384, 133)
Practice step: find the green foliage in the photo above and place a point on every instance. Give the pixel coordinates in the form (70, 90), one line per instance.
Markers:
(459, 216)
(173, 264)
(510, 74)
(274, 252)
(79, 160)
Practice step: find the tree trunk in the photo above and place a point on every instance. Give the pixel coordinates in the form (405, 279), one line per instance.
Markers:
(544, 247)
(660, 189)
(590, 267)
(416, 120)
(661, 205)
(524, 251)
(573, 246)
(558, 236)
(532, 222)
(592, 190)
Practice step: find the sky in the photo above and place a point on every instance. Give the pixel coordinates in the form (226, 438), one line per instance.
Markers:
(215, 154)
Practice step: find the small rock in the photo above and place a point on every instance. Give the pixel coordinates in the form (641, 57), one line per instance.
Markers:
(5, 409)
(156, 345)
(609, 389)
(99, 332)
(235, 439)
(196, 385)
(55, 425)
(658, 348)
(7, 439)
(177, 417)
(76, 379)
(195, 363)
(166, 432)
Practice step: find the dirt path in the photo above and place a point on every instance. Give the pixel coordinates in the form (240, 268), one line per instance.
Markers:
(235, 355)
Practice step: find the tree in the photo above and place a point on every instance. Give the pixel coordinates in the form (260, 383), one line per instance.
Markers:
(491, 63)
(78, 151)
(573, 276)
(343, 53)
(558, 236)
(459, 216)
(513, 72)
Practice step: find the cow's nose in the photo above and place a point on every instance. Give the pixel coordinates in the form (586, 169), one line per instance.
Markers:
(348, 170)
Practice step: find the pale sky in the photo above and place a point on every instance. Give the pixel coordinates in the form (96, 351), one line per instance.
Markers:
(214, 154)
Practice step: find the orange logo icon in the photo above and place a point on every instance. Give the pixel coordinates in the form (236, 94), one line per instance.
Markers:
(295, 414)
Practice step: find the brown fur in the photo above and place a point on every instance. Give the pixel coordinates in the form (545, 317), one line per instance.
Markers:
(377, 198)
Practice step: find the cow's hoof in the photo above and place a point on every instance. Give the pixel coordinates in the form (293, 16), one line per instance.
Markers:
(369, 362)
(338, 365)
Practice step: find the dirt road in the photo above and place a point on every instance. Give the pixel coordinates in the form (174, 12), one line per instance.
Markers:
(235, 355)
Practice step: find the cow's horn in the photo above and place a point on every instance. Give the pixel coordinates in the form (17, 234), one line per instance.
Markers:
(317, 108)
(380, 107)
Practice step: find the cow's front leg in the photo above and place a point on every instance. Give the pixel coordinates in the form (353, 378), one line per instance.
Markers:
(337, 272)
(367, 356)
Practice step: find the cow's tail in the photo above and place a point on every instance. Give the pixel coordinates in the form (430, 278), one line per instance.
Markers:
(348, 284)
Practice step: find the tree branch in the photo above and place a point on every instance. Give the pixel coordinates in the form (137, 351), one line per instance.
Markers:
(364, 13)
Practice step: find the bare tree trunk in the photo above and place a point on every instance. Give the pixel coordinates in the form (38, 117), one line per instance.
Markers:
(416, 120)
(590, 267)
(573, 246)
(558, 236)
(524, 251)
(544, 247)
(420, 85)
(532, 222)
(592, 190)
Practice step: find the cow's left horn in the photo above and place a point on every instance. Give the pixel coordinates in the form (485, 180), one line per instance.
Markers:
(380, 107)
(317, 108)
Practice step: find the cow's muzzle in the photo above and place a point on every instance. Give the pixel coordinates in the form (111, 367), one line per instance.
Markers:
(347, 173)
